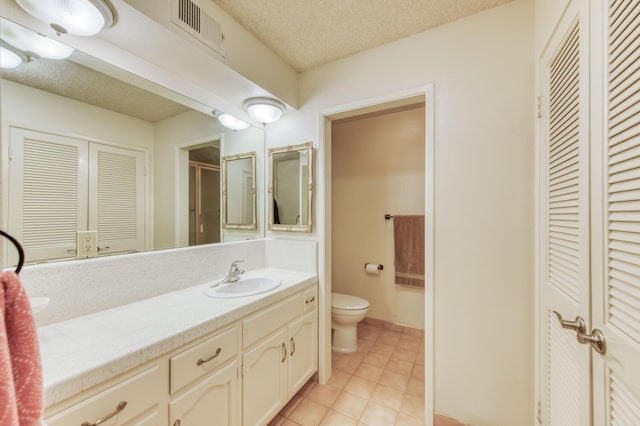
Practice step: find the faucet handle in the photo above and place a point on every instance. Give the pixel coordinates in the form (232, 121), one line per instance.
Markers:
(234, 265)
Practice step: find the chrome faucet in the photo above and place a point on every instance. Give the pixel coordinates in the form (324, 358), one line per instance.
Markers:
(234, 272)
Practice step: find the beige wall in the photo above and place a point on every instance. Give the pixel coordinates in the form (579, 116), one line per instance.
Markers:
(377, 167)
(483, 76)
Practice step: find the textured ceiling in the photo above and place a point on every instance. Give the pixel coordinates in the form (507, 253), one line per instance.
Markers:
(69, 79)
(308, 33)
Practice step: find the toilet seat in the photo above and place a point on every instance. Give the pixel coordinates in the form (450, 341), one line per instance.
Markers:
(347, 302)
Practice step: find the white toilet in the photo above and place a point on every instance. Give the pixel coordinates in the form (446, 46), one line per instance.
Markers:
(346, 312)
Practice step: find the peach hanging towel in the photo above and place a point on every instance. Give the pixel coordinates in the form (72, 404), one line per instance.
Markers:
(21, 393)
(408, 236)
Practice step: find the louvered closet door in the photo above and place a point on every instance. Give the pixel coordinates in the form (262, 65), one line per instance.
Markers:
(617, 289)
(116, 198)
(47, 194)
(564, 220)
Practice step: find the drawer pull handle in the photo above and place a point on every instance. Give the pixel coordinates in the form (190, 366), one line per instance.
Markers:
(284, 352)
(177, 423)
(293, 346)
(119, 408)
(310, 300)
(212, 357)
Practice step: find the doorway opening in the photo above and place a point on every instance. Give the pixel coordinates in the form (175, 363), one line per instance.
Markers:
(329, 227)
(204, 195)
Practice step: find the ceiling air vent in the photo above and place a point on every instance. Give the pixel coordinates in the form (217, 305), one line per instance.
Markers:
(189, 15)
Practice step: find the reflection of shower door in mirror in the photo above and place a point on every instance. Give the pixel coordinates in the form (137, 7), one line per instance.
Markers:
(247, 197)
(204, 203)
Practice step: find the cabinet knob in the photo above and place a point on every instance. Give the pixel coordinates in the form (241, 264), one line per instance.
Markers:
(119, 408)
(293, 346)
(284, 352)
(177, 423)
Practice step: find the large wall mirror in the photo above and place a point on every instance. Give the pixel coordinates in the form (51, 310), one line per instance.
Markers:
(239, 191)
(94, 153)
(291, 188)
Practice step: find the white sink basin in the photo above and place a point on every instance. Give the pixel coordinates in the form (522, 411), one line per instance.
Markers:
(243, 287)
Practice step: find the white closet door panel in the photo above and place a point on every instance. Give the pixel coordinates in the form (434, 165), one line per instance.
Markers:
(617, 291)
(116, 198)
(47, 193)
(564, 212)
(563, 374)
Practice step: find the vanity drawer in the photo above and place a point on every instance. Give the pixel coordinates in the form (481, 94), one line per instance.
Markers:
(310, 299)
(203, 358)
(270, 319)
(132, 401)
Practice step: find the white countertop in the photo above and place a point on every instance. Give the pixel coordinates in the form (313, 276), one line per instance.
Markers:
(82, 352)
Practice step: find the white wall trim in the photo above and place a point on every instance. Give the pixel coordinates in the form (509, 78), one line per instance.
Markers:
(324, 229)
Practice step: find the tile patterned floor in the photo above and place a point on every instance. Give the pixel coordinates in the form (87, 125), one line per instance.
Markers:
(382, 384)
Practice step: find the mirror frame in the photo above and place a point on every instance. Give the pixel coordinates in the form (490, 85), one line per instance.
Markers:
(308, 147)
(254, 191)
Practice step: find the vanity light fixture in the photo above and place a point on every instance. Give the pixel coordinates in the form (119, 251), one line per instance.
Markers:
(263, 109)
(11, 57)
(75, 17)
(229, 121)
(31, 42)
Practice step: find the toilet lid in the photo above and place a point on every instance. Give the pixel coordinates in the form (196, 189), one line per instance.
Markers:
(347, 301)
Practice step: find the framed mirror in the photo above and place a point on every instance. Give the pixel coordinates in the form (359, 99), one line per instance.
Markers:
(239, 191)
(291, 188)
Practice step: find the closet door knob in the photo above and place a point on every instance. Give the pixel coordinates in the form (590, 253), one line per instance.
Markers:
(596, 339)
(577, 325)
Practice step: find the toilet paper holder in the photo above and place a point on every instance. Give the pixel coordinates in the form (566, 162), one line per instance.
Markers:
(380, 267)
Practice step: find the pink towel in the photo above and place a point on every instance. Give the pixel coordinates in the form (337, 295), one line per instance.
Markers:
(21, 401)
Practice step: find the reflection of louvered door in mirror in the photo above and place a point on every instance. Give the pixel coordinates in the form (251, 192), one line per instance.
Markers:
(47, 194)
(50, 179)
(616, 297)
(116, 198)
(564, 219)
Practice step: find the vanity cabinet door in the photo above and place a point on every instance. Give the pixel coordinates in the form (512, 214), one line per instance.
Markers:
(214, 401)
(303, 351)
(264, 382)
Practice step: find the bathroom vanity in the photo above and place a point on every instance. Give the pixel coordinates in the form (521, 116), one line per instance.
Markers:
(183, 358)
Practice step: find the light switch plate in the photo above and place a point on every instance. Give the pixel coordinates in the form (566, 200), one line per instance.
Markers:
(87, 245)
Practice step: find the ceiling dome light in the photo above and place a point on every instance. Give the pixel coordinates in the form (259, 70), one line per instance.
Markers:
(230, 122)
(32, 42)
(10, 57)
(265, 110)
(76, 17)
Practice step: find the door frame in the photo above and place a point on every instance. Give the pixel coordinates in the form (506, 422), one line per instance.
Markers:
(358, 107)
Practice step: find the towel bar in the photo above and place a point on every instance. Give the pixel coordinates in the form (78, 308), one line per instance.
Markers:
(18, 247)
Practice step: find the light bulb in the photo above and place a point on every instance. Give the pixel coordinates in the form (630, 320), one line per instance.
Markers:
(30, 41)
(9, 59)
(77, 17)
(265, 110)
(230, 122)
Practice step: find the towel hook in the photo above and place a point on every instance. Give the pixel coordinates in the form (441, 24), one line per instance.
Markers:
(18, 247)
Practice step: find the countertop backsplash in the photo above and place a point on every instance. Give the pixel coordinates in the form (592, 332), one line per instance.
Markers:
(81, 287)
